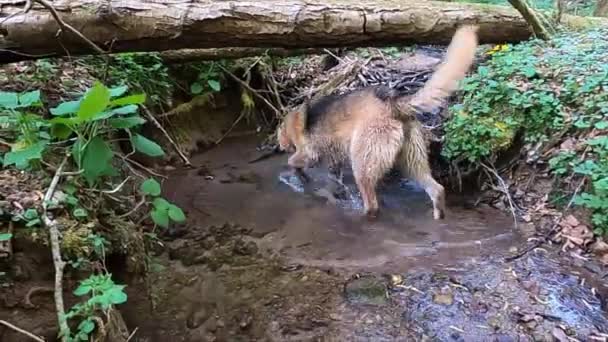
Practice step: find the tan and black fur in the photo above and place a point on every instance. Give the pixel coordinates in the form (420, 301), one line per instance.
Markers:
(376, 129)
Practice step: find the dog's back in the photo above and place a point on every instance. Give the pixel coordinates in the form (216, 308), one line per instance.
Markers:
(338, 117)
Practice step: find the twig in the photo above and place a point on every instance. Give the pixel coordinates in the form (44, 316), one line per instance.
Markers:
(19, 330)
(505, 190)
(117, 189)
(56, 250)
(554, 229)
(27, 301)
(132, 334)
(244, 84)
(266, 155)
(152, 172)
(137, 206)
(68, 27)
(243, 112)
(162, 129)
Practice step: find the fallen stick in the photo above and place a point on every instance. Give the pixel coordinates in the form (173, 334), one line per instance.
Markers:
(58, 263)
(19, 330)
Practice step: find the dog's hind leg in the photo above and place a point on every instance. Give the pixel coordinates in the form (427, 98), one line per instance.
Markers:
(374, 148)
(414, 163)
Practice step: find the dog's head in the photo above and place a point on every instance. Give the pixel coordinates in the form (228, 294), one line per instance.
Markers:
(292, 138)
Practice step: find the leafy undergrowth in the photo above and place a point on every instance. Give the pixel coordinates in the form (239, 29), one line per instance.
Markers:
(93, 204)
(556, 94)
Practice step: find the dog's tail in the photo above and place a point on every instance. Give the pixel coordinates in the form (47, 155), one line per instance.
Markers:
(459, 58)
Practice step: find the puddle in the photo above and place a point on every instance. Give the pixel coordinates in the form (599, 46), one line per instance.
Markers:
(311, 226)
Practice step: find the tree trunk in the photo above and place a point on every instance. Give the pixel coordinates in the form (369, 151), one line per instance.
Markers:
(601, 9)
(538, 27)
(157, 25)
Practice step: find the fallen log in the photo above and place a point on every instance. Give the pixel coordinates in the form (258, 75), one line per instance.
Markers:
(159, 25)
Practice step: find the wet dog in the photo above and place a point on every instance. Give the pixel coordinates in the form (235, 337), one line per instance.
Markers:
(376, 129)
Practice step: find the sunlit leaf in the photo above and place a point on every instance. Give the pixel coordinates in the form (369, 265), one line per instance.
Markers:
(131, 99)
(96, 100)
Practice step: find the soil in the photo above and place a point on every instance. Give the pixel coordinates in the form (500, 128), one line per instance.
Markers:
(263, 258)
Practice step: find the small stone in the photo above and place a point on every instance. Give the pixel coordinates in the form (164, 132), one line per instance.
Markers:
(304, 278)
(369, 321)
(245, 322)
(443, 298)
(197, 318)
(335, 317)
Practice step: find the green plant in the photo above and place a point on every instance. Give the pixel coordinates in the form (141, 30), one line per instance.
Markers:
(103, 294)
(29, 216)
(544, 90)
(163, 211)
(91, 118)
(31, 130)
(208, 79)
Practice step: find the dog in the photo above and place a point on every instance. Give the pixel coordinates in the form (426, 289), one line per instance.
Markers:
(376, 129)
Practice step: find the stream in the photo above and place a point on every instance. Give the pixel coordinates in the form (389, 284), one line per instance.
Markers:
(265, 259)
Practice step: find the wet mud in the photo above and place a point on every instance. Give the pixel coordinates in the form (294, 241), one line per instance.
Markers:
(263, 258)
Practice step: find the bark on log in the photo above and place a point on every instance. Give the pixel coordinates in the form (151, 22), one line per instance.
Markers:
(158, 25)
(601, 9)
(191, 55)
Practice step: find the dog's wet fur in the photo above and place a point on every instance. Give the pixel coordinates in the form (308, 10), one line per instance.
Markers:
(375, 129)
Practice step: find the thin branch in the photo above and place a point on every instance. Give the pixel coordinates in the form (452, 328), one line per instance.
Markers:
(137, 206)
(244, 84)
(19, 330)
(164, 131)
(56, 250)
(505, 190)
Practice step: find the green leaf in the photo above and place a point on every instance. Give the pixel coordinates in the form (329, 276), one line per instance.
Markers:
(64, 108)
(127, 122)
(117, 296)
(86, 326)
(118, 91)
(96, 160)
(22, 158)
(30, 214)
(150, 187)
(9, 100)
(176, 213)
(71, 121)
(130, 109)
(60, 131)
(80, 212)
(196, 88)
(30, 98)
(128, 100)
(161, 204)
(215, 85)
(96, 100)
(5, 236)
(146, 146)
(601, 124)
(82, 290)
(160, 217)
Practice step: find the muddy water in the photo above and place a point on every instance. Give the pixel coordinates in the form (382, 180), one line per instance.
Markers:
(263, 258)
